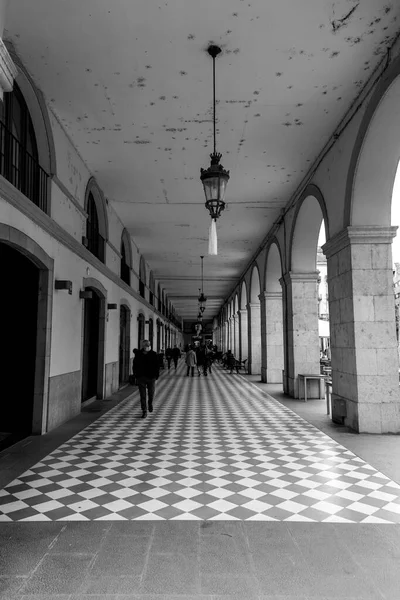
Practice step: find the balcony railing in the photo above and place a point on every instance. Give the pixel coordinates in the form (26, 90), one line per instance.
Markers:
(21, 169)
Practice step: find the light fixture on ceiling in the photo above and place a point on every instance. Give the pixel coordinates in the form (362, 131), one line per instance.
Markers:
(202, 299)
(215, 178)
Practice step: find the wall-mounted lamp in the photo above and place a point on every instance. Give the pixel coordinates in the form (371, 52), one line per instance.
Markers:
(112, 306)
(85, 294)
(63, 284)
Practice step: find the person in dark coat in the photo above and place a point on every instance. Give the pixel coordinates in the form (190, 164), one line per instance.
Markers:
(176, 354)
(146, 369)
(168, 356)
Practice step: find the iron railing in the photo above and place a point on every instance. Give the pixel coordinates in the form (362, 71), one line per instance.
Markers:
(19, 167)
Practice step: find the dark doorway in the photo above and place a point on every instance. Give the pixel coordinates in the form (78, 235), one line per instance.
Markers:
(123, 345)
(91, 339)
(19, 310)
(140, 329)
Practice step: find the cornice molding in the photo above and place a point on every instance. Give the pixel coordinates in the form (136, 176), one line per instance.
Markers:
(370, 234)
(14, 197)
(8, 70)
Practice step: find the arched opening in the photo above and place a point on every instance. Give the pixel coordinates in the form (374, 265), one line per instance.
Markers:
(243, 324)
(141, 326)
(97, 221)
(19, 156)
(19, 307)
(93, 344)
(302, 354)
(126, 258)
(151, 288)
(273, 361)
(254, 324)
(395, 220)
(124, 343)
(142, 277)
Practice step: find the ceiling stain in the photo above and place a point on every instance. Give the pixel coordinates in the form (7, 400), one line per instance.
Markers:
(342, 22)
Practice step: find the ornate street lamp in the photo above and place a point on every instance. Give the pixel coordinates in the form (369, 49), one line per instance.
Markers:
(215, 178)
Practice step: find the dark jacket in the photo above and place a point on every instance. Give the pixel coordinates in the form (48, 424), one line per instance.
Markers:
(146, 365)
(176, 353)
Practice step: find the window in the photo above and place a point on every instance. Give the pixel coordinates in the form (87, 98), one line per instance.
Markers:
(94, 241)
(18, 149)
(125, 271)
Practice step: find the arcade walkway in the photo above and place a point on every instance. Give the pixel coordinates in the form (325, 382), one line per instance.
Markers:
(259, 504)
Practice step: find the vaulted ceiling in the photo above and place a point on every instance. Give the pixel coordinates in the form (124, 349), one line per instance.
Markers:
(131, 82)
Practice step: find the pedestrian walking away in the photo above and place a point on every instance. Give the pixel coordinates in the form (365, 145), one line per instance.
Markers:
(168, 356)
(191, 361)
(176, 354)
(146, 369)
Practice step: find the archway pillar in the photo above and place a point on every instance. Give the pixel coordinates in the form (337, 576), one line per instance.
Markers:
(254, 338)
(243, 334)
(236, 335)
(365, 379)
(301, 332)
(271, 337)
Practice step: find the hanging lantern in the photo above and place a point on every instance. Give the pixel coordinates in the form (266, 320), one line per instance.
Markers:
(215, 178)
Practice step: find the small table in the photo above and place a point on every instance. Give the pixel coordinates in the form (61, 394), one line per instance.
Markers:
(306, 376)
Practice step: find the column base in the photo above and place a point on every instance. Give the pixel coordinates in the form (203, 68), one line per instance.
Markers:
(366, 417)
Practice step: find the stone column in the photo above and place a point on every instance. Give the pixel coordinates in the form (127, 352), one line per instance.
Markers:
(243, 334)
(365, 377)
(301, 332)
(272, 337)
(236, 326)
(254, 336)
(8, 70)
(263, 336)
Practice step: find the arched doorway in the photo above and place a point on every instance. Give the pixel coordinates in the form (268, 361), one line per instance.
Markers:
(124, 343)
(92, 363)
(19, 307)
(158, 323)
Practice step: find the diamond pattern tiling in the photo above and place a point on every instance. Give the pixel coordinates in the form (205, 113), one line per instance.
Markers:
(214, 448)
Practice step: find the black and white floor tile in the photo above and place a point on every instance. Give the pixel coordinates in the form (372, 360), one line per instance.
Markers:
(214, 448)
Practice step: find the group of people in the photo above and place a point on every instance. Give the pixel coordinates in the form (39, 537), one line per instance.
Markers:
(201, 356)
(146, 368)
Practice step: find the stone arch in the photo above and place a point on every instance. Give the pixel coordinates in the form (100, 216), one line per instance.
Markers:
(93, 188)
(255, 285)
(310, 212)
(27, 246)
(273, 267)
(375, 156)
(39, 115)
(243, 295)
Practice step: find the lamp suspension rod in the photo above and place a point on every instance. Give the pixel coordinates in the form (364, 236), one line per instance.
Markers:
(215, 143)
(201, 273)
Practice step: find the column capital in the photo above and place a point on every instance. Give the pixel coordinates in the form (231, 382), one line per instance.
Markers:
(369, 234)
(270, 295)
(292, 277)
(8, 70)
(242, 311)
(252, 305)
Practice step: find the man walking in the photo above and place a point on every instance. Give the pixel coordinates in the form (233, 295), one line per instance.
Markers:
(176, 354)
(146, 369)
(191, 361)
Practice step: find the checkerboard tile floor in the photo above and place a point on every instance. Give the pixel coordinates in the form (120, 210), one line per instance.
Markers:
(214, 448)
